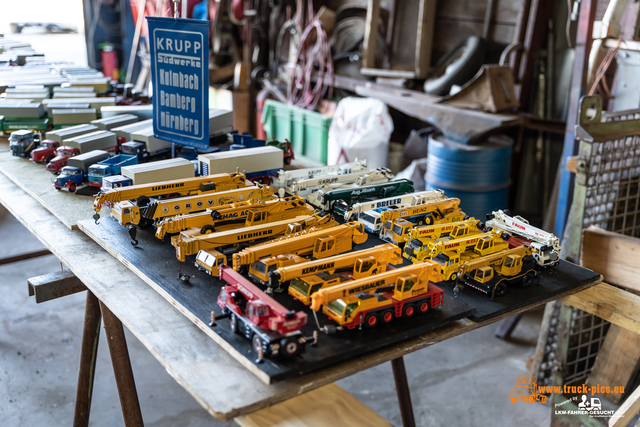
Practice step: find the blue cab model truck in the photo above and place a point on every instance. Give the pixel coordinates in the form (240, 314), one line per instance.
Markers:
(74, 174)
(144, 145)
(109, 167)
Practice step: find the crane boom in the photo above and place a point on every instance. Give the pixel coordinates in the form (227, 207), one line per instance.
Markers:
(547, 245)
(410, 199)
(185, 187)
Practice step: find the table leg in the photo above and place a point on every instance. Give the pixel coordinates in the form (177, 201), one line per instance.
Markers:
(88, 353)
(402, 389)
(122, 368)
(506, 326)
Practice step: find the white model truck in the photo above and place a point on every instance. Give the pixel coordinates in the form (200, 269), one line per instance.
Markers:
(258, 164)
(546, 246)
(305, 187)
(162, 170)
(410, 199)
(98, 140)
(286, 179)
(145, 145)
(71, 132)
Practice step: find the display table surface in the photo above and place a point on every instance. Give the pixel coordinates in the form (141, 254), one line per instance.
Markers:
(215, 379)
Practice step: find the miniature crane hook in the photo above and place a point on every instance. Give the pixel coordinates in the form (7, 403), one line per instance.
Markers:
(96, 217)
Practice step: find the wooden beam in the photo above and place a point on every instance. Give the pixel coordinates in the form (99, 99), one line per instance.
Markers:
(609, 303)
(312, 409)
(627, 410)
(617, 362)
(613, 255)
(371, 34)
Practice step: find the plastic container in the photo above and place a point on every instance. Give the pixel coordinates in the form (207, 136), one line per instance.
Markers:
(479, 175)
(307, 131)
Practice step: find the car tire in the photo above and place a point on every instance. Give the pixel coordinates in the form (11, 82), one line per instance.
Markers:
(457, 66)
(72, 187)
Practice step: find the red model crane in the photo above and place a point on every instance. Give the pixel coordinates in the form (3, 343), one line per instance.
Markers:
(273, 330)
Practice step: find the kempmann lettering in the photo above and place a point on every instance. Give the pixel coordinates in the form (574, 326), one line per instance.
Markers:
(325, 266)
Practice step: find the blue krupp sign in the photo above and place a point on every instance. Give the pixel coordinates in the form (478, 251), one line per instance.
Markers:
(180, 76)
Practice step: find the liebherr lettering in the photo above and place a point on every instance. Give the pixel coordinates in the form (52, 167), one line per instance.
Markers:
(256, 234)
(167, 187)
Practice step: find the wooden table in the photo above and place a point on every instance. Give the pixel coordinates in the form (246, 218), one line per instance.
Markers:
(216, 380)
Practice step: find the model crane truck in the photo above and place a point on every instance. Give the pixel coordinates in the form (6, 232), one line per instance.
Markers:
(366, 212)
(230, 241)
(430, 213)
(306, 278)
(183, 187)
(449, 254)
(234, 213)
(304, 187)
(492, 274)
(317, 244)
(285, 179)
(339, 200)
(546, 245)
(398, 293)
(421, 237)
(157, 209)
(273, 330)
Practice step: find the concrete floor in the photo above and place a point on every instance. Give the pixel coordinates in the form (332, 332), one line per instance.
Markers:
(461, 382)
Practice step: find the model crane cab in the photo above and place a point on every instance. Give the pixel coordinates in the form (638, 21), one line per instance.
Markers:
(210, 261)
(126, 213)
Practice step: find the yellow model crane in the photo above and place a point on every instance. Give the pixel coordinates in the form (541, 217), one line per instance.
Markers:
(128, 213)
(184, 187)
(235, 214)
(308, 277)
(492, 273)
(233, 240)
(401, 292)
(422, 239)
(449, 254)
(318, 244)
(398, 222)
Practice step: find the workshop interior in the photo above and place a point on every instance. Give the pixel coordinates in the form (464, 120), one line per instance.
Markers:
(320, 213)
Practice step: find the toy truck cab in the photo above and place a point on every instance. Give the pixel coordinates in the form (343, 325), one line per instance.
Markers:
(62, 155)
(115, 181)
(126, 212)
(97, 173)
(22, 142)
(46, 152)
(449, 262)
(396, 232)
(301, 288)
(134, 148)
(371, 220)
(259, 270)
(210, 261)
(70, 177)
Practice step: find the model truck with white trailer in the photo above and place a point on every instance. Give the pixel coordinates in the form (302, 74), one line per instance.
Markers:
(70, 132)
(145, 145)
(123, 133)
(259, 164)
(162, 170)
(98, 140)
(109, 123)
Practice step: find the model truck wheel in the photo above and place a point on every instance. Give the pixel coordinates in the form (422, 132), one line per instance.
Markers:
(501, 289)
(289, 347)
(424, 306)
(409, 311)
(256, 343)
(387, 316)
(527, 280)
(372, 320)
(233, 320)
(454, 276)
(207, 229)
(72, 187)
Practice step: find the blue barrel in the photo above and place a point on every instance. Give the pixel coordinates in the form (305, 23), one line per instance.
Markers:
(479, 175)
